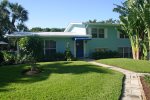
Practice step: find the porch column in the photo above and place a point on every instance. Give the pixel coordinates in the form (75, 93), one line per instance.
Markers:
(84, 48)
(74, 48)
(44, 47)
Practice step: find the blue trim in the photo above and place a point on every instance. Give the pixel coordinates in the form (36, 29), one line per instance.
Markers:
(81, 38)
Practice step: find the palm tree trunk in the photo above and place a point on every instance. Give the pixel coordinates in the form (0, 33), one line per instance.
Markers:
(137, 46)
(133, 47)
(148, 30)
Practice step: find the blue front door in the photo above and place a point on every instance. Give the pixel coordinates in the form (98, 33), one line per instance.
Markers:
(79, 49)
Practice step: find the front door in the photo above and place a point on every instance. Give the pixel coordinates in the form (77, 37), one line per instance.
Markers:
(79, 49)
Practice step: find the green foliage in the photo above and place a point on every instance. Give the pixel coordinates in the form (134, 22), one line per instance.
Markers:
(9, 57)
(39, 29)
(31, 45)
(135, 21)
(105, 54)
(147, 78)
(54, 57)
(68, 54)
(109, 21)
(1, 58)
(12, 17)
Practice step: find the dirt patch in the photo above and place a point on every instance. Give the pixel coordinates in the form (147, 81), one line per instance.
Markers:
(146, 88)
(31, 72)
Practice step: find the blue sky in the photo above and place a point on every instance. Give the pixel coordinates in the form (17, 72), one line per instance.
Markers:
(59, 13)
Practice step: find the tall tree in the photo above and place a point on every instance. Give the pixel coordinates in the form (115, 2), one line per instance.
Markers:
(133, 11)
(128, 23)
(144, 12)
(12, 17)
(18, 16)
(4, 18)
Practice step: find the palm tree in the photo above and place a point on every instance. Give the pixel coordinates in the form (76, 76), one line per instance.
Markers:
(4, 18)
(135, 17)
(130, 25)
(144, 12)
(18, 14)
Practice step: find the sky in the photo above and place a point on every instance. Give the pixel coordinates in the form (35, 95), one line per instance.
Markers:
(59, 13)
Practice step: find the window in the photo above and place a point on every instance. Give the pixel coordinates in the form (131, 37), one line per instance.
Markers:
(98, 33)
(101, 33)
(125, 52)
(101, 49)
(123, 36)
(50, 47)
(94, 32)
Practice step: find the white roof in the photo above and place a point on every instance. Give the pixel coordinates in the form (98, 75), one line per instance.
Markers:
(2, 42)
(47, 34)
(71, 25)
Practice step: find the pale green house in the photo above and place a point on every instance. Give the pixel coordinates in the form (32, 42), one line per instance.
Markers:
(83, 39)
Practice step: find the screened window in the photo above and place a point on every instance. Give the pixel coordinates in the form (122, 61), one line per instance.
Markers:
(123, 36)
(125, 52)
(50, 47)
(98, 33)
(101, 33)
(94, 32)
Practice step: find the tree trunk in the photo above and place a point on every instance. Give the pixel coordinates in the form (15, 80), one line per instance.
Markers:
(148, 43)
(133, 53)
(137, 53)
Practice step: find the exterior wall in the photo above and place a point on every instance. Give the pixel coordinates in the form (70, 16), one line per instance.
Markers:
(112, 42)
(61, 43)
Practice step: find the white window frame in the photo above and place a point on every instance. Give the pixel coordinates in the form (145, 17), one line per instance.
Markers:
(48, 48)
(123, 53)
(105, 32)
(118, 35)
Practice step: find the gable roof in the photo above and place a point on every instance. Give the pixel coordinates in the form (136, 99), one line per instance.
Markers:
(71, 25)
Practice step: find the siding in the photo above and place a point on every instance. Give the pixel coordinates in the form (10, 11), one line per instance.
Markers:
(61, 43)
(112, 42)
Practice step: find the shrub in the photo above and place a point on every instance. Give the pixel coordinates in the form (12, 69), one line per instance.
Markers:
(1, 58)
(32, 45)
(9, 57)
(105, 54)
(54, 57)
(68, 54)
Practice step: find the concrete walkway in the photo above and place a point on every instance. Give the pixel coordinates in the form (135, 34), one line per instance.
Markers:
(132, 87)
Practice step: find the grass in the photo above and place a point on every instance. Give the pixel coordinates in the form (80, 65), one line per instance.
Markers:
(129, 64)
(60, 81)
(147, 78)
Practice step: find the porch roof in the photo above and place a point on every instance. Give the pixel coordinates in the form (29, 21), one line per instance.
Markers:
(47, 34)
(81, 38)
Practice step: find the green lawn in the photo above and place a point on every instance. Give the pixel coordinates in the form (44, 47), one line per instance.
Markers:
(129, 64)
(60, 81)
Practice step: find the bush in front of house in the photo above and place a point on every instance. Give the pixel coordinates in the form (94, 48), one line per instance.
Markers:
(105, 54)
(1, 58)
(68, 54)
(54, 57)
(32, 44)
(8, 57)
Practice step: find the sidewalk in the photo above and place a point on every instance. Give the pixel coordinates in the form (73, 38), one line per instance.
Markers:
(132, 87)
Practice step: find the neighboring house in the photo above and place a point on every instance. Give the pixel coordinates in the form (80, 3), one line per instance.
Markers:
(83, 39)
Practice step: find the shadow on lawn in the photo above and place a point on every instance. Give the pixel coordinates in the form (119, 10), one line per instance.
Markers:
(12, 74)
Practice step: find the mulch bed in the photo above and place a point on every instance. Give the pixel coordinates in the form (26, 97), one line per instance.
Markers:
(30, 73)
(146, 88)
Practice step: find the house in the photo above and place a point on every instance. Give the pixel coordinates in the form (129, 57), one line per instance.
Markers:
(83, 39)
